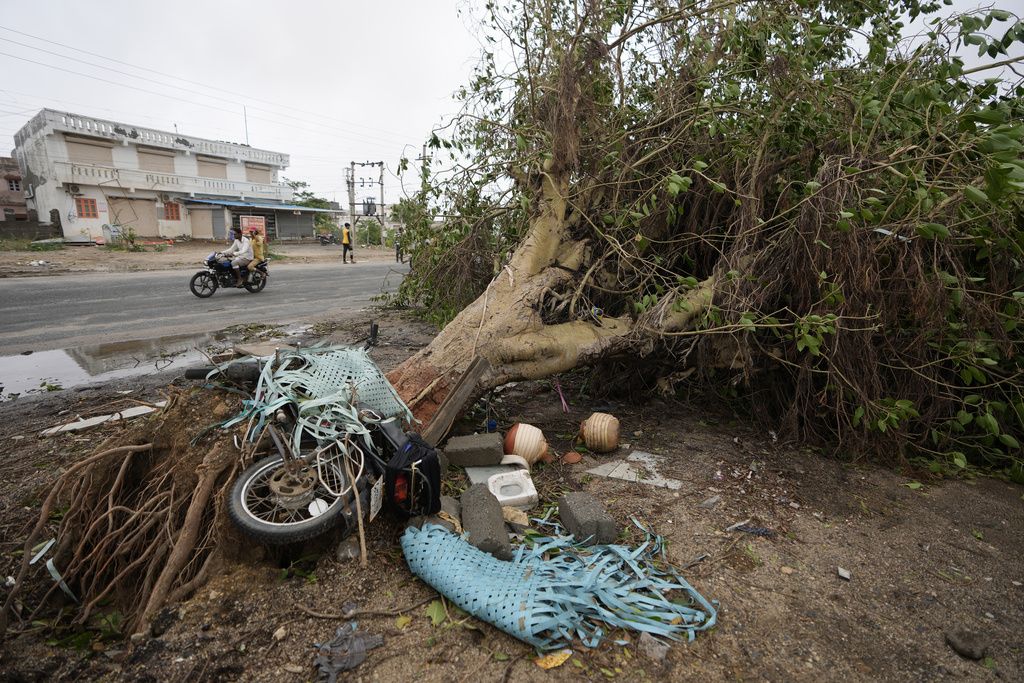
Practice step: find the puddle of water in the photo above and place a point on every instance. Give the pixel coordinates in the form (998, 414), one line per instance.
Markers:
(65, 368)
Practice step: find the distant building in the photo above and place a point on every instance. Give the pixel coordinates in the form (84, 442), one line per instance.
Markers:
(12, 193)
(95, 178)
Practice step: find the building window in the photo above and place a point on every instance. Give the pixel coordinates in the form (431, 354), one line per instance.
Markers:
(14, 185)
(86, 208)
(172, 211)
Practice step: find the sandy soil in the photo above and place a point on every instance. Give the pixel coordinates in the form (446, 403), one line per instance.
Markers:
(81, 259)
(922, 561)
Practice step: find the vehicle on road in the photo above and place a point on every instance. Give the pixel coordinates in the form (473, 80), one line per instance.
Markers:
(329, 238)
(218, 273)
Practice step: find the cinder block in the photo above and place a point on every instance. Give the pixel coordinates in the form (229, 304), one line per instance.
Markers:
(475, 450)
(586, 519)
(484, 522)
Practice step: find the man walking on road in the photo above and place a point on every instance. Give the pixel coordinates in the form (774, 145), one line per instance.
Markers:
(346, 243)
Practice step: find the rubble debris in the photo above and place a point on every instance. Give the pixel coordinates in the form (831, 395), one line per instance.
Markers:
(475, 450)
(843, 573)
(514, 489)
(710, 502)
(600, 432)
(484, 522)
(647, 473)
(764, 532)
(526, 441)
(586, 519)
(449, 517)
(344, 652)
(652, 648)
(571, 458)
(261, 350)
(80, 425)
(516, 518)
(455, 401)
(556, 591)
(967, 644)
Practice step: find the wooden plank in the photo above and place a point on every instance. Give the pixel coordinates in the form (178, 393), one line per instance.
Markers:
(455, 402)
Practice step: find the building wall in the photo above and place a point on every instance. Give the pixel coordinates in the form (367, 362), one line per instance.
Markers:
(57, 168)
(12, 202)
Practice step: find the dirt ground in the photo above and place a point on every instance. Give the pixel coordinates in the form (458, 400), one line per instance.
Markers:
(922, 560)
(83, 259)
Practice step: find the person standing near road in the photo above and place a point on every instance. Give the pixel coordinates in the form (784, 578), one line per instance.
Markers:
(346, 243)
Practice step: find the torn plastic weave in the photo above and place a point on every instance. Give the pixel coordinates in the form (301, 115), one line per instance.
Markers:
(325, 383)
(555, 591)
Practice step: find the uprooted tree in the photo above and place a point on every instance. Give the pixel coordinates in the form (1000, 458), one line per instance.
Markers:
(797, 200)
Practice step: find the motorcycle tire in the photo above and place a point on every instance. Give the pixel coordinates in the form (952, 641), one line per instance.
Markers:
(257, 281)
(273, 533)
(203, 284)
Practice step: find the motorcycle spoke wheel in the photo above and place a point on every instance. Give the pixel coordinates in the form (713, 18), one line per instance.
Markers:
(203, 285)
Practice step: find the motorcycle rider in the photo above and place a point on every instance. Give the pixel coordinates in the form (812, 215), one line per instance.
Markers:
(240, 253)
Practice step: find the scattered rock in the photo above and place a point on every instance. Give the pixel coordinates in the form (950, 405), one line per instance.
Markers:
(475, 450)
(215, 595)
(843, 573)
(484, 522)
(449, 517)
(518, 519)
(163, 620)
(710, 502)
(652, 648)
(280, 633)
(786, 570)
(967, 644)
(795, 505)
(294, 668)
(586, 519)
(348, 549)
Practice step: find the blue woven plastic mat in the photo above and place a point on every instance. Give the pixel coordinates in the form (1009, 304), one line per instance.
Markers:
(555, 591)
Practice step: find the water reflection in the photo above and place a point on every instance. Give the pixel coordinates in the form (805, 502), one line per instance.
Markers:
(62, 369)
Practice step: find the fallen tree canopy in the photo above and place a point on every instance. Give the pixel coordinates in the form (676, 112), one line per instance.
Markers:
(794, 198)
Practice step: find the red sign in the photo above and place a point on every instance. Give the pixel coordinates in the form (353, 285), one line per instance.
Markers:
(248, 223)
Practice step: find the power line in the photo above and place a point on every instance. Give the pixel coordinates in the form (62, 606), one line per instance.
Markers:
(179, 78)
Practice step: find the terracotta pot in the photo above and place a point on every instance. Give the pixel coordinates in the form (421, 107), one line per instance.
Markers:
(526, 441)
(600, 432)
(571, 458)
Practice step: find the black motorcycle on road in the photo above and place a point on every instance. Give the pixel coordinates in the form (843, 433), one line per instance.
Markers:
(218, 273)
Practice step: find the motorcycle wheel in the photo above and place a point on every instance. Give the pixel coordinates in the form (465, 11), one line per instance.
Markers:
(276, 508)
(257, 281)
(203, 284)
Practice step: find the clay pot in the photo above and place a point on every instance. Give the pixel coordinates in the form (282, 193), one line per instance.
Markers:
(526, 441)
(600, 432)
(571, 458)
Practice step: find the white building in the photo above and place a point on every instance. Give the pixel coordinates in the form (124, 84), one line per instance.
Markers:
(90, 174)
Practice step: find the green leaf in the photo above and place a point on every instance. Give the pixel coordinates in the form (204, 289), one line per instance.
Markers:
(932, 230)
(914, 485)
(976, 195)
(812, 186)
(402, 621)
(1009, 441)
(501, 656)
(435, 610)
(699, 166)
(959, 460)
(858, 415)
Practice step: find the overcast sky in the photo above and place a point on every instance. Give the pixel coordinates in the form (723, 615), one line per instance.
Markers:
(327, 82)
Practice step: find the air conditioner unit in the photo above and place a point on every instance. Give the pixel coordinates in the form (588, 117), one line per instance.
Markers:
(74, 189)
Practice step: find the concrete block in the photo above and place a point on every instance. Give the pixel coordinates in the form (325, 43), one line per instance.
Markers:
(586, 519)
(484, 522)
(475, 450)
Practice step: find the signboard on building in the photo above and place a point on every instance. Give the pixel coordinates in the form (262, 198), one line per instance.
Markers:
(247, 223)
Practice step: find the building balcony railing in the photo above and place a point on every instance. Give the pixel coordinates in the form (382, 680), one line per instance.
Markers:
(129, 180)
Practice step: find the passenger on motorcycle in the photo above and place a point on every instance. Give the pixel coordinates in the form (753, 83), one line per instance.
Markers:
(240, 254)
(259, 252)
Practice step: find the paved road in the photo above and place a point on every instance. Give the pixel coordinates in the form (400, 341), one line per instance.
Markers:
(42, 313)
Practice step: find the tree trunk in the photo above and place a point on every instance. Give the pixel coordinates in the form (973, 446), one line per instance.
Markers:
(504, 324)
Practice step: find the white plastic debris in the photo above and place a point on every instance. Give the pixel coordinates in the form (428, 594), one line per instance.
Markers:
(843, 573)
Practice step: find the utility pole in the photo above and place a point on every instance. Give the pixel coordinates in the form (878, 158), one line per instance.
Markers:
(381, 215)
(245, 117)
(352, 194)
